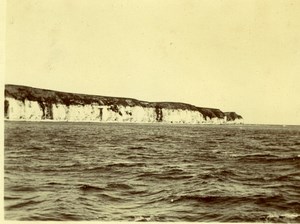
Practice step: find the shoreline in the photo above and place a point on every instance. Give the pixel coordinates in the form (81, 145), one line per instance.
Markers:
(33, 104)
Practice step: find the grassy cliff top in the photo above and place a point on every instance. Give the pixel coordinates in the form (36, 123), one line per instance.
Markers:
(45, 96)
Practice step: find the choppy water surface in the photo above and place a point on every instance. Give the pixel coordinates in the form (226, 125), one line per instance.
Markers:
(135, 172)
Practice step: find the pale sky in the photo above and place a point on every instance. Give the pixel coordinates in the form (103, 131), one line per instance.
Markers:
(235, 55)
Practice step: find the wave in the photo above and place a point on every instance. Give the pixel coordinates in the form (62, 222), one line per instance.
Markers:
(282, 178)
(136, 192)
(116, 186)
(23, 204)
(277, 201)
(69, 216)
(262, 200)
(137, 147)
(11, 198)
(206, 199)
(113, 166)
(54, 216)
(285, 159)
(121, 165)
(54, 183)
(165, 176)
(218, 175)
(108, 197)
(23, 188)
(270, 179)
(86, 187)
(144, 219)
(268, 158)
(108, 187)
(179, 177)
(98, 168)
(257, 155)
(282, 217)
(59, 168)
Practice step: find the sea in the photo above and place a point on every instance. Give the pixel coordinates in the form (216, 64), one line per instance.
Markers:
(63, 171)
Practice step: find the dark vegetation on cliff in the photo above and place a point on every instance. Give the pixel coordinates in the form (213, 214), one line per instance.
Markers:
(231, 116)
(46, 98)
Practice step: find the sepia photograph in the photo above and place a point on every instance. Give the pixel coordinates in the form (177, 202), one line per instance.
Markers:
(151, 111)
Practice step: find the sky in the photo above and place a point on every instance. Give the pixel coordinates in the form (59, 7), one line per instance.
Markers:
(241, 56)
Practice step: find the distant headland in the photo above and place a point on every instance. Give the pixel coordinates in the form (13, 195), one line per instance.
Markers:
(34, 104)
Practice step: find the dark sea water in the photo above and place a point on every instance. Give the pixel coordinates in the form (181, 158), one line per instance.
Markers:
(138, 172)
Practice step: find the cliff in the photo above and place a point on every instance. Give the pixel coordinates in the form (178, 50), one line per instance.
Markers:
(33, 104)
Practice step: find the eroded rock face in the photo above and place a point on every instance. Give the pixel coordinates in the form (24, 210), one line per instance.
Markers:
(31, 104)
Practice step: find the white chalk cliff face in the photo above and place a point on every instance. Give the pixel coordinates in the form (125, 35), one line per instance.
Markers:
(28, 110)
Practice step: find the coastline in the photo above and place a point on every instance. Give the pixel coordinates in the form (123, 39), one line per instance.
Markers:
(33, 104)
